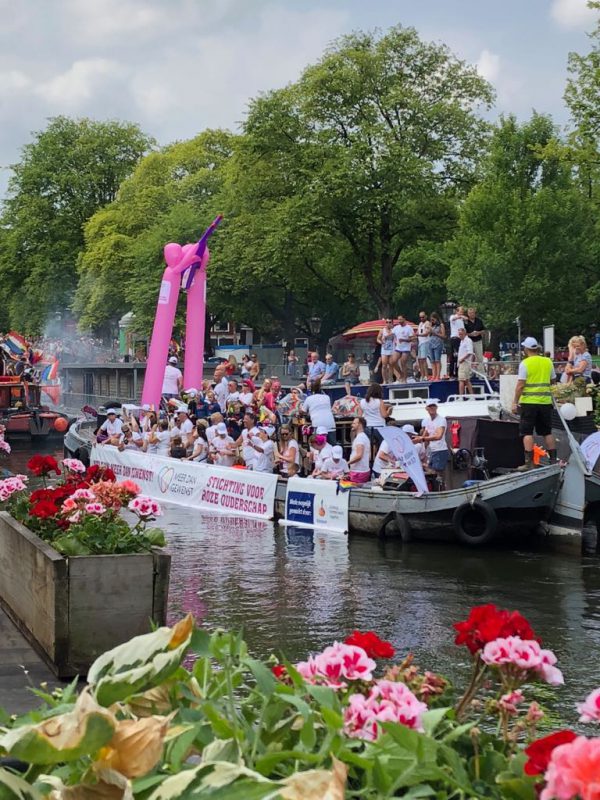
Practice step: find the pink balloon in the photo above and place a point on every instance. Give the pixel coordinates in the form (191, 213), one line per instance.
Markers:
(173, 253)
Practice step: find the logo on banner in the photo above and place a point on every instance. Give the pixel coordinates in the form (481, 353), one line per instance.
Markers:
(165, 476)
(300, 507)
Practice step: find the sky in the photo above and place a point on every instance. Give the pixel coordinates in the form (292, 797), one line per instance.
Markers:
(179, 66)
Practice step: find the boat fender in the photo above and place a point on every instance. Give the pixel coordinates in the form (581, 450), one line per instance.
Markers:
(483, 531)
(381, 531)
(83, 455)
(403, 527)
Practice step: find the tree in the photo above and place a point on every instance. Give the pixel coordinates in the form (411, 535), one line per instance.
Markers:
(170, 196)
(525, 241)
(65, 175)
(362, 162)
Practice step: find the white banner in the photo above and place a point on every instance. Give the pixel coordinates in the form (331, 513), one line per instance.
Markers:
(405, 452)
(237, 492)
(590, 447)
(313, 503)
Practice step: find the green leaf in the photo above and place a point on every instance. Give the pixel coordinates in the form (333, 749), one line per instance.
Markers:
(12, 787)
(432, 718)
(265, 680)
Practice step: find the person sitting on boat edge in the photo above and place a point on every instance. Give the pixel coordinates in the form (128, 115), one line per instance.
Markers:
(375, 412)
(111, 427)
(433, 435)
(320, 450)
(330, 375)
(315, 369)
(335, 465)
(360, 457)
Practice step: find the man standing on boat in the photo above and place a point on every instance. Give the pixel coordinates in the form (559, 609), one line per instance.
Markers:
(534, 396)
(433, 436)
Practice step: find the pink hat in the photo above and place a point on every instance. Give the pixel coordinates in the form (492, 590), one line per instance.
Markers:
(320, 439)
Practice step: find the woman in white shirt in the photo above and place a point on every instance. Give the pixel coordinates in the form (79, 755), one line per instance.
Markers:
(386, 340)
(360, 457)
(375, 412)
(160, 440)
(318, 406)
(288, 451)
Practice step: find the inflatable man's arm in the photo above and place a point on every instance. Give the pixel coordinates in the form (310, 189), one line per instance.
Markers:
(196, 254)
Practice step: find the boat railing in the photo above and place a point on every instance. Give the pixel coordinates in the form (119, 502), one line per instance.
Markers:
(407, 401)
(487, 397)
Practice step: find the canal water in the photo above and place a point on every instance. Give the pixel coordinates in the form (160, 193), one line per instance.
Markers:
(296, 591)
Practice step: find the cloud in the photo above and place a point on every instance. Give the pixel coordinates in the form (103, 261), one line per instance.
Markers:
(74, 88)
(13, 81)
(488, 65)
(573, 13)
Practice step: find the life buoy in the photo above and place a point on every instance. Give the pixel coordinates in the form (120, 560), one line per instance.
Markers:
(403, 527)
(475, 523)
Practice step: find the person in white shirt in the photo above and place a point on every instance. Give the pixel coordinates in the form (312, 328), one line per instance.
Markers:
(318, 406)
(375, 412)
(265, 451)
(386, 339)
(320, 451)
(211, 431)
(160, 440)
(383, 459)
(184, 427)
(419, 446)
(222, 448)
(336, 465)
(221, 387)
(466, 354)
(130, 440)
(403, 337)
(457, 321)
(173, 380)
(433, 435)
(249, 431)
(360, 457)
(200, 451)
(111, 428)
(424, 339)
(246, 395)
(288, 451)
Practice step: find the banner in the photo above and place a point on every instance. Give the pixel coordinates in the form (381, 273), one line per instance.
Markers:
(313, 503)
(590, 447)
(237, 492)
(405, 452)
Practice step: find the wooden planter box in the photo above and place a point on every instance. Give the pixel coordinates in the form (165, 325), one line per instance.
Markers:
(73, 609)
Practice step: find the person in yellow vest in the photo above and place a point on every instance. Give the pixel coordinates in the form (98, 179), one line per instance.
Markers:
(534, 396)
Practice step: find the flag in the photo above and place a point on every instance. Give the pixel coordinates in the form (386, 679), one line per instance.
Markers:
(590, 447)
(50, 372)
(15, 343)
(53, 393)
(405, 452)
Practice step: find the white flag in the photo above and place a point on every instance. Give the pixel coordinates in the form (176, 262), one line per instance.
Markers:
(590, 447)
(405, 452)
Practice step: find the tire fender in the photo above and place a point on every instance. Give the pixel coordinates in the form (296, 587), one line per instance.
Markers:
(489, 522)
(403, 527)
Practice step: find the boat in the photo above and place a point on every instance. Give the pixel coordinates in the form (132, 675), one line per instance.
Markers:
(24, 415)
(473, 514)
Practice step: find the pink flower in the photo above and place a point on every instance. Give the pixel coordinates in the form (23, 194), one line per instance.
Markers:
(75, 518)
(574, 771)
(129, 486)
(4, 446)
(590, 708)
(337, 664)
(387, 701)
(68, 505)
(83, 494)
(156, 508)
(497, 652)
(73, 465)
(145, 507)
(534, 713)
(97, 509)
(509, 702)
(524, 655)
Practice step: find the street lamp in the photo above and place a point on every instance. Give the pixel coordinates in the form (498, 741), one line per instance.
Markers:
(314, 325)
(447, 309)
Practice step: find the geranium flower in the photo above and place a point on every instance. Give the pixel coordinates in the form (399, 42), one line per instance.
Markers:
(336, 665)
(43, 465)
(509, 702)
(590, 708)
(83, 494)
(387, 701)
(373, 646)
(74, 465)
(98, 472)
(279, 671)
(96, 509)
(129, 487)
(43, 510)
(573, 771)
(4, 446)
(145, 507)
(522, 656)
(487, 623)
(539, 752)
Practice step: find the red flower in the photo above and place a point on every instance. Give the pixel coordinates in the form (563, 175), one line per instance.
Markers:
(43, 509)
(40, 494)
(486, 623)
(42, 465)
(279, 671)
(97, 472)
(539, 752)
(373, 646)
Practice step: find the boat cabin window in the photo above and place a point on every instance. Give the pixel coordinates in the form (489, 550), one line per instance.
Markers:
(406, 393)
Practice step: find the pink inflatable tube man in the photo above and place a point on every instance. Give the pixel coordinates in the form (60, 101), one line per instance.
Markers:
(185, 266)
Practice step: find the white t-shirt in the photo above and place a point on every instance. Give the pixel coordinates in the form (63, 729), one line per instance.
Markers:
(362, 465)
(430, 426)
(321, 456)
(263, 462)
(372, 412)
(249, 453)
(164, 443)
(187, 426)
(111, 428)
(335, 468)
(170, 381)
(423, 330)
(233, 397)
(246, 399)
(387, 340)
(131, 444)
(466, 349)
(522, 374)
(456, 323)
(211, 433)
(220, 444)
(221, 392)
(402, 332)
(292, 444)
(201, 450)
(378, 464)
(319, 408)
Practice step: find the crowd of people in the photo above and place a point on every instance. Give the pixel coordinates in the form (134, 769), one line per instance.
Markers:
(231, 422)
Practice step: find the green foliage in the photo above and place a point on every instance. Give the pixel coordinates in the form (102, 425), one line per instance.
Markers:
(69, 171)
